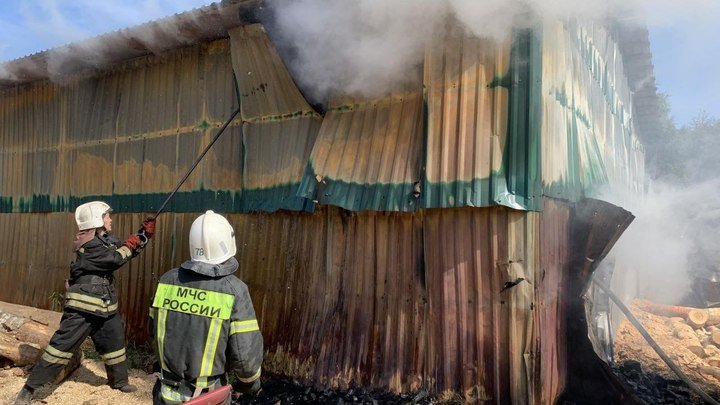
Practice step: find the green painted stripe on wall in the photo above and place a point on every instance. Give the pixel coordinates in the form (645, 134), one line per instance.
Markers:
(276, 198)
(358, 197)
(272, 199)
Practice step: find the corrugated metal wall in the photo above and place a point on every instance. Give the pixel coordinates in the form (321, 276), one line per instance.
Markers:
(368, 155)
(482, 117)
(589, 140)
(412, 300)
(279, 126)
(125, 136)
(403, 300)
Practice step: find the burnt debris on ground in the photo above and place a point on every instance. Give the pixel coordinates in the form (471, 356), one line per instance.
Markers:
(652, 388)
(282, 391)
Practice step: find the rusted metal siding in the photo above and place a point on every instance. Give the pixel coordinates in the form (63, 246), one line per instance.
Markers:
(125, 136)
(344, 303)
(404, 301)
(29, 118)
(483, 339)
(279, 127)
(549, 376)
(588, 134)
(368, 154)
(36, 252)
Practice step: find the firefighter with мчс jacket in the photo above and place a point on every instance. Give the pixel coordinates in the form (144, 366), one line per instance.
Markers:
(203, 320)
(91, 304)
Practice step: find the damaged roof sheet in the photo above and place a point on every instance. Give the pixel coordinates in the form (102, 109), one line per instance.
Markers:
(279, 126)
(368, 155)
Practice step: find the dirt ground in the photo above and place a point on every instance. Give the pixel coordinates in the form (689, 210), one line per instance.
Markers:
(86, 386)
(676, 342)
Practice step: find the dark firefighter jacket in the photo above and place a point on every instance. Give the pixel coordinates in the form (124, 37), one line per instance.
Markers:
(204, 325)
(91, 287)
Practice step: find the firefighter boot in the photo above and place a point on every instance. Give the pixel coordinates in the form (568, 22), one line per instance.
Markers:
(127, 388)
(24, 396)
(118, 377)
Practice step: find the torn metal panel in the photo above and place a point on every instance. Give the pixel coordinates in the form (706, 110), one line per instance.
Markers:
(595, 226)
(368, 155)
(267, 91)
(279, 127)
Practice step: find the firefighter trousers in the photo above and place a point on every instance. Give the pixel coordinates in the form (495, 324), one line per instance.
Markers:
(107, 335)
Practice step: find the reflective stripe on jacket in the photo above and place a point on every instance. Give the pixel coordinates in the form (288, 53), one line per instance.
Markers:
(204, 325)
(91, 275)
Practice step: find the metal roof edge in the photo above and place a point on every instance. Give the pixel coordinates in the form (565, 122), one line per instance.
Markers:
(99, 53)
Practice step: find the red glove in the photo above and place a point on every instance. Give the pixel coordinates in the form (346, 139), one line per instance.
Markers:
(148, 226)
(133, 242)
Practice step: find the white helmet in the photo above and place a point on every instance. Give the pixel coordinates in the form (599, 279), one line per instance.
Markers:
(90, 215)
(212, 239)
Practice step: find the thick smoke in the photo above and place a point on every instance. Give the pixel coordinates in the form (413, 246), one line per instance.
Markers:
(667, 242)
(370, 47)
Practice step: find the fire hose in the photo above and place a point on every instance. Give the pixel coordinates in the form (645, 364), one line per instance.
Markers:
(654, 344)
(141, 233)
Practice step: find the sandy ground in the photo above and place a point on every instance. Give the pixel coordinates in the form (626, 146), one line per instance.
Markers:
(86, 386)
(630, 345)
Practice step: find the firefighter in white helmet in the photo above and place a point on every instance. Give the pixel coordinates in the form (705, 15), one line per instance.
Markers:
(203, 321)
(91, 304)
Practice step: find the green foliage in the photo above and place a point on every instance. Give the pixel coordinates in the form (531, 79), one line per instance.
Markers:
(57, 301)
(699, 143)
(683, 156)
(140, 357)
(91, 353)
(662, 161)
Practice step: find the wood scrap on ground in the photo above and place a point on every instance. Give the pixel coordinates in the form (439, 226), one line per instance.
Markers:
(23, 341)
(689, 336)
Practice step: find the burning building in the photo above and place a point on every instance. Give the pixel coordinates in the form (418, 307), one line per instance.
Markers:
(439, 237)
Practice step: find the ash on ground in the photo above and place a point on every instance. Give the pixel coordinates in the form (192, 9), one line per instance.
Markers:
(282, 391)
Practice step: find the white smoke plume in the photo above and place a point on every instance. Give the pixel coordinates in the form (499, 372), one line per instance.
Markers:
(368, 47)
(671, 243)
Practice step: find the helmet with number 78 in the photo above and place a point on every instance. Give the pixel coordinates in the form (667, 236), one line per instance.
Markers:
(90, 215)
(212, 239)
